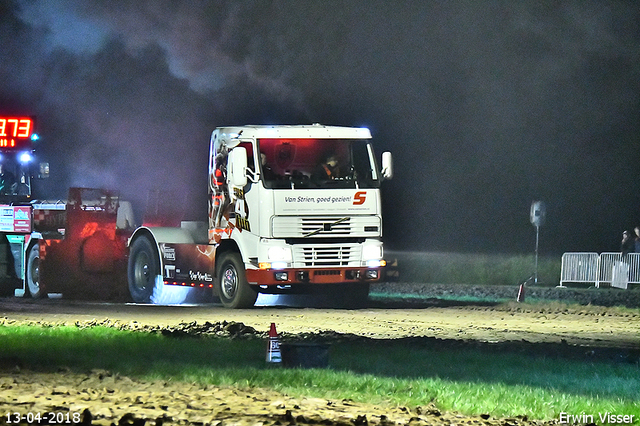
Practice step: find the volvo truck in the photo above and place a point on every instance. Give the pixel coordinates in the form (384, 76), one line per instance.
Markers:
(290, 209)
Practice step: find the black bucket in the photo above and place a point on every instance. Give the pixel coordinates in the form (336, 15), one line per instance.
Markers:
(305, 355)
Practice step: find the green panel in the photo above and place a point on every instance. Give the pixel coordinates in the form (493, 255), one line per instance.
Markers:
(15, 239)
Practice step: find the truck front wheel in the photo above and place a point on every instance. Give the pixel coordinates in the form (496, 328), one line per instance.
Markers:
(143, 268)
(32, 273)
(233, 289)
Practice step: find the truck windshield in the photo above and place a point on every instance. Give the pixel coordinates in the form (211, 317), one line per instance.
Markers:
(15, 182)
(317, 163)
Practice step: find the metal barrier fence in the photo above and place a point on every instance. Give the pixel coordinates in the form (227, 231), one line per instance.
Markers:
(611, 268)
(579, 268)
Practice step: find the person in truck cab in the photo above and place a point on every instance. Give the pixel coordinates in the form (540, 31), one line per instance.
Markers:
(328, 169)
(267, 171)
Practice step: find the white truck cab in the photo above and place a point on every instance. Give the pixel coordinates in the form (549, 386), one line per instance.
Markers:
(291, 208)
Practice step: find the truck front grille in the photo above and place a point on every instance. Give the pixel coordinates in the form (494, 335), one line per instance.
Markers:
(326, 226)
(325, 255)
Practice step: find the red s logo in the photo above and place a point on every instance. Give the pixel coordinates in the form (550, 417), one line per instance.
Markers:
(359, 198)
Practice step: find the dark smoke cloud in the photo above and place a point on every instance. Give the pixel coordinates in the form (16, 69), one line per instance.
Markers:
(486, 105)
(128, 97)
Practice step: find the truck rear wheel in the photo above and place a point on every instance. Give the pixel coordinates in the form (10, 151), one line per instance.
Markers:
(32, 273)
(233, 289)
(143, 268)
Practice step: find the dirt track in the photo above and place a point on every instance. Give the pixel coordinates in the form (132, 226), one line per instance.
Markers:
(112, 399)
(587, 325)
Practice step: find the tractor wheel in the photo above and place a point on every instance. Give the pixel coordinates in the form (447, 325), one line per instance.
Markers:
(143, 269)
(231, 281)
(32, 273)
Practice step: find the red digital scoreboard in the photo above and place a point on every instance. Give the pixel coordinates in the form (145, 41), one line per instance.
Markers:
(15, 132)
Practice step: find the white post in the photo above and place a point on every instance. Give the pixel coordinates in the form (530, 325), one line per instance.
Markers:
(536, 268)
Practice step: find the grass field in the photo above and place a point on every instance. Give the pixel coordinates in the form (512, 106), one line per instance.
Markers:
(459, 268)
(469, 380)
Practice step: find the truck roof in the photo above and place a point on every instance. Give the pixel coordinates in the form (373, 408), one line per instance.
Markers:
(314, 131)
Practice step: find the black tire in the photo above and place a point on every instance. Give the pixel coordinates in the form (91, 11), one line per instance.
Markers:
(143, 268)
(32, 273)
(231, 282)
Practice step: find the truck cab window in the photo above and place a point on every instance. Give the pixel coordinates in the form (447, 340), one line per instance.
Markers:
(317, 163)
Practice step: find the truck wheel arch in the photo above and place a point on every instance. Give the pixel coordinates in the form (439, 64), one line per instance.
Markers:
(226, 246)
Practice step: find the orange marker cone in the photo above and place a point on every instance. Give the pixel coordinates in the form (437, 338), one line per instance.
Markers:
(274, 356)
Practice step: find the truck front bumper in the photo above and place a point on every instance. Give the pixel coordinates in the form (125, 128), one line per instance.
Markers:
(290, 276)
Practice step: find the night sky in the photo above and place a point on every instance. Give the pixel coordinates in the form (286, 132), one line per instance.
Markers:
(485, 105)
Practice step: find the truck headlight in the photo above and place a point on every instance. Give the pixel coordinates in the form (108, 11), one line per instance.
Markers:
(274, 256)
(25, 157)
(371, 252)
(278, 253)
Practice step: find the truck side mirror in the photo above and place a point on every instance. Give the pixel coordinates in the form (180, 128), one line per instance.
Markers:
(237, 166)
(387, 165)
